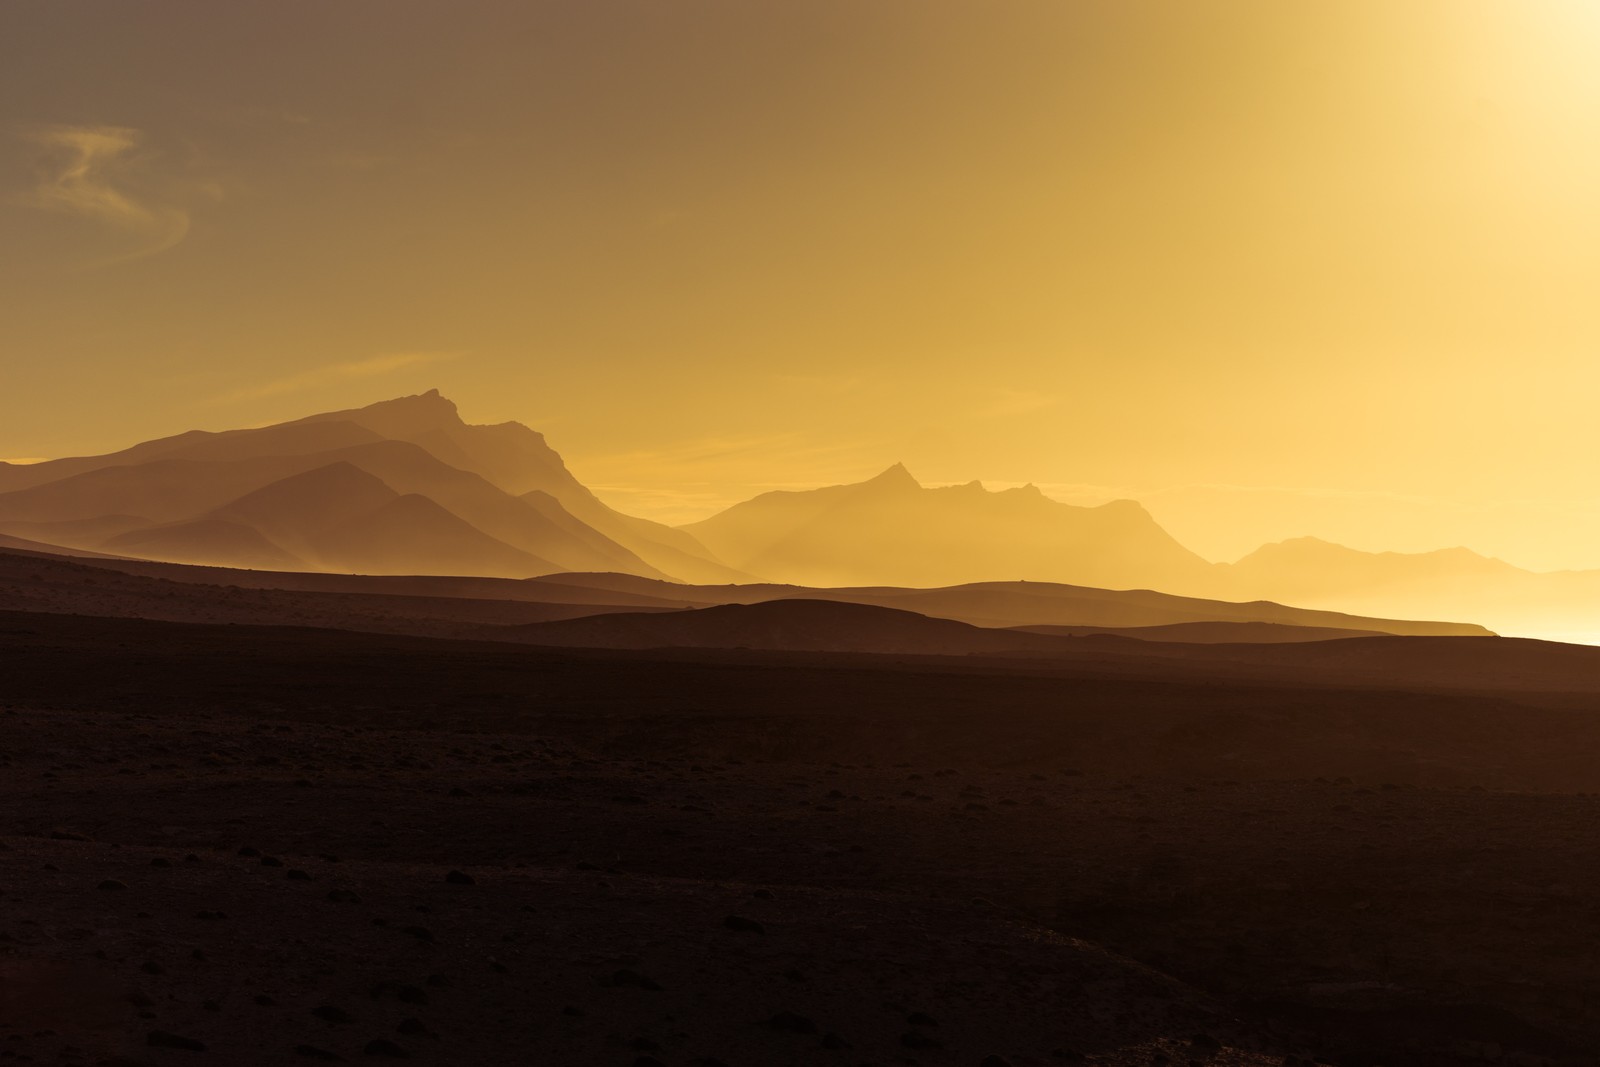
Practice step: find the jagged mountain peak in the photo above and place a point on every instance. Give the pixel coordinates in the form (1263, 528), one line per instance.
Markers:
(400, 417)
(894, 477)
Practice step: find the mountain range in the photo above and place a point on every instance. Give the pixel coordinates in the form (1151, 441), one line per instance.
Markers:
(400, 487)
(891, 530)
(406, 487)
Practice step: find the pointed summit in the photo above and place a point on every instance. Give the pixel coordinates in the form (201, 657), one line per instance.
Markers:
(896, 477)
(892, 531)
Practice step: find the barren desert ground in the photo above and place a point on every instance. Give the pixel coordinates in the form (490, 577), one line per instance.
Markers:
(251, 844)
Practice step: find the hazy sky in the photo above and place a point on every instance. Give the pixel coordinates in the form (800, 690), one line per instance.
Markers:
(1274, 268)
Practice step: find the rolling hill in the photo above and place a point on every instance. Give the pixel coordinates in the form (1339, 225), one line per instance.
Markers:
(795, 625)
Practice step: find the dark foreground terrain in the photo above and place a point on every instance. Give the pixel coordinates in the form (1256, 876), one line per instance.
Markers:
(244, 845)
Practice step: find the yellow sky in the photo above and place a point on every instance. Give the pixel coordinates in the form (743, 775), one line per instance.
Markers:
(1274, 268)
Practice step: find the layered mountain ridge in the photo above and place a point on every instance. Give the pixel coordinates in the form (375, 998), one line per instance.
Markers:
(402, 486)
(405, 486)
(892, 530)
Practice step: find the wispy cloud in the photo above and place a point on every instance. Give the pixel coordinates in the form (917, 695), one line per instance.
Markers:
(81, 173)
(337, 373)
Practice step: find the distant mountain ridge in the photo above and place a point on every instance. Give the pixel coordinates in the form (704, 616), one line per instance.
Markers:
(891, 530)
(401, 486)
(405, 486)
(1449, 582)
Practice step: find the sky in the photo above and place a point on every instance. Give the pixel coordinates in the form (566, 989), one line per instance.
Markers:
(1271, 268)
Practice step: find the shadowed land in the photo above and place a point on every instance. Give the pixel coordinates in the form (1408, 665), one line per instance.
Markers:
(984, 853)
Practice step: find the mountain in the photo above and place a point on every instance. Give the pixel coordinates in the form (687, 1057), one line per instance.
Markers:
(283, 439)
(216, 542)
(1450, 582)
(892, 530)
(498, 501)
(518, 461)
(415, 535)
(336, 518)
(273, 497)
(296, 512)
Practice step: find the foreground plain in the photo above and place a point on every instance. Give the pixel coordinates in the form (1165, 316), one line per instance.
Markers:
(816, 858)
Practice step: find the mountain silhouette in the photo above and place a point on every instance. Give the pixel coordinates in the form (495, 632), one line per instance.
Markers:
(284, 496)
(518, 461)
(322, 493)
(1454, 582)
(415, 535)
(892, 530)
(214, 542)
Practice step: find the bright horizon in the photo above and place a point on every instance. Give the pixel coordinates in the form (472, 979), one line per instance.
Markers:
(1273, 270)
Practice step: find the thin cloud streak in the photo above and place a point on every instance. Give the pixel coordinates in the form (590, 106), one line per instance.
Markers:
(78, 172)
(321, 377)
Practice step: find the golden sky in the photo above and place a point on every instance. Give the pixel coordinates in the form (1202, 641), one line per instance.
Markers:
(1273, 268)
